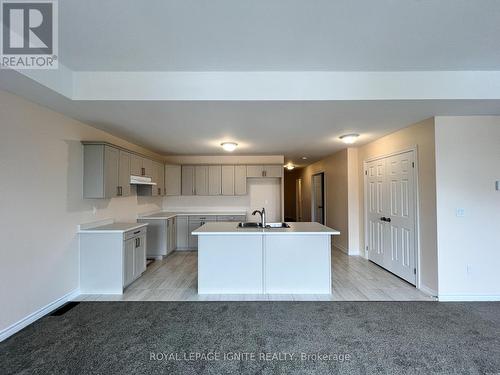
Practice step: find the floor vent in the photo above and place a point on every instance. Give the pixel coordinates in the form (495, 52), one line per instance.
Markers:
(64, 308)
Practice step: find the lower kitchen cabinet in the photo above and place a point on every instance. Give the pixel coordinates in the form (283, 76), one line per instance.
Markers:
(111, 260)
(182, 233)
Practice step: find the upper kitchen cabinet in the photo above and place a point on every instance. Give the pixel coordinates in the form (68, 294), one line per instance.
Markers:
(136, 168)
(124, 173)
(141, 166)
(228, 180)
(107, 170)
(173, 179)
(188, 180)
(273, 170)
(201, 180)
(101, 171)
(264, 171)
(214, 180)
(161, 179)
(240, 180)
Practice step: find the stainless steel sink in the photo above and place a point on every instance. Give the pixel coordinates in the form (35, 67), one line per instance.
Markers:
(249, 225)
(277, 225)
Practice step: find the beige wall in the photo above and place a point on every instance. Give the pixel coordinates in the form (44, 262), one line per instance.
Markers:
(41, 164)
(467, 166)
(422, 136)
(336, 194)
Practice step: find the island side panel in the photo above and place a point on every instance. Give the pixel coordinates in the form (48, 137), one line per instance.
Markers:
(230, 264)
(297, 264)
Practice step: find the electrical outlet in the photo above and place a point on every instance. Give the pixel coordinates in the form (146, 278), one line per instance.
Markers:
(468, 269)
(460, 212)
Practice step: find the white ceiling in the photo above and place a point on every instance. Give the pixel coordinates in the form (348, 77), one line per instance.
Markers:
(190, 36)
(282, 35)
(291, 128)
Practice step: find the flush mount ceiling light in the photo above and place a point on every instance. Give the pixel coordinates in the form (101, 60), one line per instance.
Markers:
(290, 166)
(349, 138)
(229, 146)
(304, 157)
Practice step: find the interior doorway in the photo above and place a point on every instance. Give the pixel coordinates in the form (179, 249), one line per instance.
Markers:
(298, 200)
(391, 213)
(318, 198)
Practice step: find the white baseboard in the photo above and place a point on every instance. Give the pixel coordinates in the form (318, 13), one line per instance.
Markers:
(429, 291)
(467, 298)
(26, 321)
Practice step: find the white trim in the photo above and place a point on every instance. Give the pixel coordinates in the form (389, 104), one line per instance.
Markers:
(429, 291)
(325, 189)
(26, 321)
(413, 149)
(467, 298)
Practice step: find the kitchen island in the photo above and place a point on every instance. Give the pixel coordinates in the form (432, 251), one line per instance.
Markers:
(294, 260)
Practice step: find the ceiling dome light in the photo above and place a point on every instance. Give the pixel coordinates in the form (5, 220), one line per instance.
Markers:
(290, 166)
(229, 146)
(304, 157)
(349, 138)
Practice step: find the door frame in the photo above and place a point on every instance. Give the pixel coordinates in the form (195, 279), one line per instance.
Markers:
(322, 171)
(413, 149)
(299, 208)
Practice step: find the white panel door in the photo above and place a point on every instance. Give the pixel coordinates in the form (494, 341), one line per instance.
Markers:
(400, 221)
(391, 214)
(376, 210)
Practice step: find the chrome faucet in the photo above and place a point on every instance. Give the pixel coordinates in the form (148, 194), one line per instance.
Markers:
(262, 216)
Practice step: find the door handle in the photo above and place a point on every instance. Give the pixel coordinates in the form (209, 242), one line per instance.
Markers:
(386, 219)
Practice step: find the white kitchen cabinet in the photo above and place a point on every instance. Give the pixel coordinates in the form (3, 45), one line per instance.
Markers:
(264, 171)
(201, 180)
(147, 165)
(214, 180)
(182, 233)
(173, 180)
(255, 171)
(171, 234)
(158, 178)
(100, 171)
(128, 261)
(228, 180)
(124, 174)
(273, 171)
(188, 180)
(193, 240)
(240, 180)
(136, 165)
(110, 260)
(161, 179)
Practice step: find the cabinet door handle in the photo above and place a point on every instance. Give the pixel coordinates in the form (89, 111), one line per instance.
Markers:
(143, 171)
(137, 232)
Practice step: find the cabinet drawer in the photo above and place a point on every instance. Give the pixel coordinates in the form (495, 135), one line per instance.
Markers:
(237, 218)
(202, 218)
(134, 233)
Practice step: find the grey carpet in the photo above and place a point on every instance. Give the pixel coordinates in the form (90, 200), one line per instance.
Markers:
(380, 337)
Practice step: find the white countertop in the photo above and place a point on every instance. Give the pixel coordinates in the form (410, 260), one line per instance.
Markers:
(217, 228)
(167, 215)
(113, 228)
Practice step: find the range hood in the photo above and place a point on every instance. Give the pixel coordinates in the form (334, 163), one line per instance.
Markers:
(141, 180)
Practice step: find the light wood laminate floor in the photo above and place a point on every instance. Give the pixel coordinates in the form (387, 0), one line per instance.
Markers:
(354, 279)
